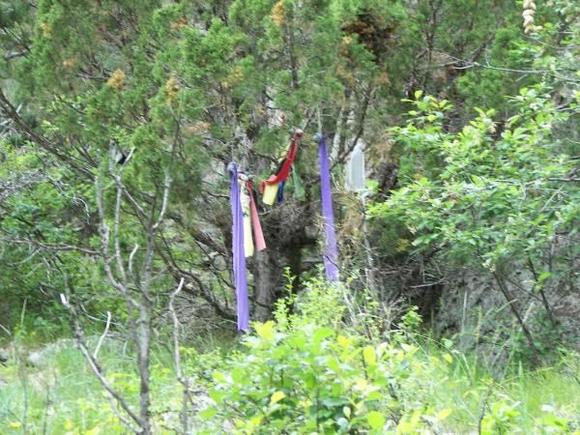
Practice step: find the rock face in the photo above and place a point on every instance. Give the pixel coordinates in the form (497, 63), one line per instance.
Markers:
(4, 356)
(40, 357)
(473, 308)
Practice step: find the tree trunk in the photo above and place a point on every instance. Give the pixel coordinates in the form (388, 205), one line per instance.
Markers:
(267, 275)
(286, 232)
(143, 359)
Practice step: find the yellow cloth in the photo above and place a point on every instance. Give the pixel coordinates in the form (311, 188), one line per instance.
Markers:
(270, 193)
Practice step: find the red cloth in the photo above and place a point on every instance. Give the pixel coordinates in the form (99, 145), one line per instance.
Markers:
(284, 171)
(256, 226)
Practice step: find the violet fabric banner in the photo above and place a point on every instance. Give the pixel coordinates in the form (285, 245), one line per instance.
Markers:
(239, 260)
(330, 250)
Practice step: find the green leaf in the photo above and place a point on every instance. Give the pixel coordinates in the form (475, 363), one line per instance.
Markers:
(343, 341)
(265, 330)
(219, 377)
(444, 413)
(239, 375)
(217, 395)
(322, 334)
(369, 356)
(276, 397)
(376, 420)
(544, 276)
(208, 413)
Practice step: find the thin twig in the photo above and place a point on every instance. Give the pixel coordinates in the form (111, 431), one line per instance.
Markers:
(177, 359)
(96, 367)
(102, 337)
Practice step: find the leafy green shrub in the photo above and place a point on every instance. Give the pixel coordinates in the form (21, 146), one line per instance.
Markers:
(495, 197)
(482, 195)
(307, 372)
(313, 378)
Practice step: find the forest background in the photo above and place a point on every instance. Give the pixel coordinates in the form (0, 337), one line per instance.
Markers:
(457, 309)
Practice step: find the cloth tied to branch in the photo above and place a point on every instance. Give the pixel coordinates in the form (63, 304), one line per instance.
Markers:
(239, 258)
(256, 225)
(330, 248)
(272, 186)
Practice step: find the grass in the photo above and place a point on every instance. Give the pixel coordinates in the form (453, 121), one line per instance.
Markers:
(63, 396)
(60, 397)
(528, 399)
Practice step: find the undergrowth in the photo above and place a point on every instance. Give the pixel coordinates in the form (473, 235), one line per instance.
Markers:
(307, 371)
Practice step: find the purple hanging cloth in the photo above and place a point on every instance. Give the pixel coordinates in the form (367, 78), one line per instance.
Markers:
(330, 249)
(239, 260)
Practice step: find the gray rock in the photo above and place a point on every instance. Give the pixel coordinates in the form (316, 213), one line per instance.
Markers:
(40, 357)
(4, 356)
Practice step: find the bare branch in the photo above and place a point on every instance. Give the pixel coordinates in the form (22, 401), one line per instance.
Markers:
(116, 238)
(105, 249)
(166, 190)
(97, 369)
(102, 337)
(177, 360)
(50, 246)
(151, 234)
(359, 127)
(132, 257)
